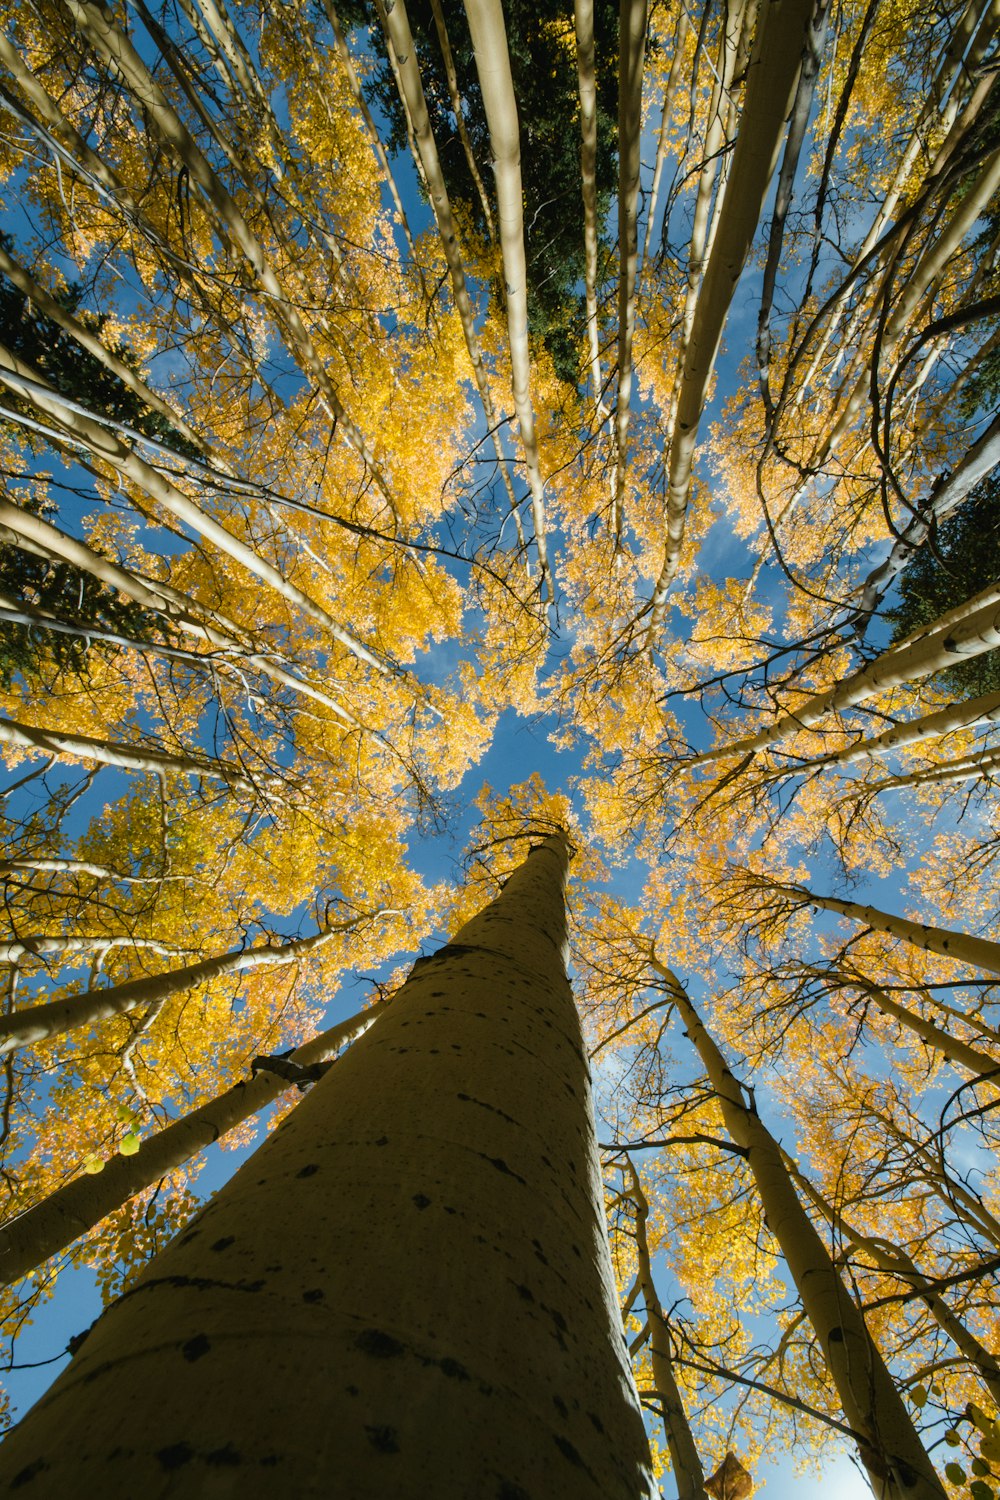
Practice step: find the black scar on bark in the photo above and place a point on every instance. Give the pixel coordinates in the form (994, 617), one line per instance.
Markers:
(421, 1200)
(224, 1457)
(225, 1242)
(175, 1457)
(568, 1451)
(308, 1171)
(196, 1347)
(385, 1439)
(378, 1344)
(313, 1295)
(501, 1166)
(27, 1474)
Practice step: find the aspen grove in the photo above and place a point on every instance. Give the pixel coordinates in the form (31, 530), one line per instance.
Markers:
(383, 384)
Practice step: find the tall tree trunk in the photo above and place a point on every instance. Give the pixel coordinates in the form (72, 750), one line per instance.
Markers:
(898, 1467)
(977, 952)
(406, 1291)
(689, 1476)
(968, 630)
(772, 79)
(37, 1023)
(895, 1261)
(496, 84)
(55, 1222)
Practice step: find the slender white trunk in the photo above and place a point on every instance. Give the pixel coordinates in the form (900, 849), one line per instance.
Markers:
(968, 630)
(896, 1262)
(978, 953)
(961, 715)
(583, 11)
(54, 1223)
(347, 63)
(688, 1474)
(41, 945)
(107, 446)
(46, 304)
(982, 458)
(631, 55)
(122, 59)
(489, 42)
(38, 1023)
(457, 109)
(892, 1453)
(979, 1063)
(81, 747)
(406, 1291)
(396, 25)
(773, 73)
(680, 41)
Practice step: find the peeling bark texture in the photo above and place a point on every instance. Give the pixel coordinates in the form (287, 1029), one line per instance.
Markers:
(407, 1291)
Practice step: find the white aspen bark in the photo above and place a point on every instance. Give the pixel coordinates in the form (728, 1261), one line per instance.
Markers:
(50, 308)
(953, 64)
(583, 14)
(42, 945)
(104, 444)
(715, 139)
(894, 1261)
(631, 56)
(979, 953)
(919, 284)
(81, 747)
(456, 104)
(406, 1290)
(966, 631)
(347, 63)
(37, 1023)
(976, 767)
(489, 43)
(931, 117)
(54, 1223)
(48, 541)
(396, 25)
(123, 60)
(689, 1476)
(978, 1063)
(982, 458)
(63, 867)
(890, 1449)
(950, 1190)
(772, 77)
(961, 715)
(784, 193)
(680, 39)
(80, 156)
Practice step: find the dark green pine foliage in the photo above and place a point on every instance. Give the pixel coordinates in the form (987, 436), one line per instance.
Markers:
(959, 558)
(542, 45)
(39, 583)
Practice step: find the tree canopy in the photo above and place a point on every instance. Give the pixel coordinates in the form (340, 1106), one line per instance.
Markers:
(655, 407)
